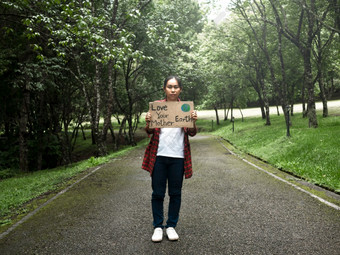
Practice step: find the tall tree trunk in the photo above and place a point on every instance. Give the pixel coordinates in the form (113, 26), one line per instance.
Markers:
(131, 102)
(311, 111)
(284, 87)
(263, 111)
(23, 134)
(322, 92)
(109, 109)
(304, 47)
(225, 112)
(261, 40)
(266, 104)
(120, 132)
(320, 46)
(241, 113)
(268, 123)
(111, 82)
(259, 94)
(89, 105)
(303, 98)
(232, 109)
(313, 122)
(101, 150)
(41, 114)
(217, 118)
(131, 131)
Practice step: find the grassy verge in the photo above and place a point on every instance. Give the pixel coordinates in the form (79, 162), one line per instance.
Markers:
(310, 153)
(23, 188)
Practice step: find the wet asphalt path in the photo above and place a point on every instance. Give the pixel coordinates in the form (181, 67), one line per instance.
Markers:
(228, 207)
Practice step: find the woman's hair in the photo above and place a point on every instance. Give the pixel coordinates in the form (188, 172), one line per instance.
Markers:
(170, 78)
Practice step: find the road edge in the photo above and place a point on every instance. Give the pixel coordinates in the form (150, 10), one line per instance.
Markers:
(325, 196)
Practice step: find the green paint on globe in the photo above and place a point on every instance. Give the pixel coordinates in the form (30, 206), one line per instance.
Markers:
(185, 107)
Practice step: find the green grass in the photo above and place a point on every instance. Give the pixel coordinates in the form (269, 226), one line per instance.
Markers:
(22, 188)
(311, 153)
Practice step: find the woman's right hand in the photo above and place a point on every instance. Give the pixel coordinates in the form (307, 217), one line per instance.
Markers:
(148, 118)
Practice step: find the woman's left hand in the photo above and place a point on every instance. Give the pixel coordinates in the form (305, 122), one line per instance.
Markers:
(194, 115)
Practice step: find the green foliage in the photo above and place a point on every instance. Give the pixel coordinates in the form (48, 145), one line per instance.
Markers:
(63, 62)
(240, 57)
(67, 63)
(8, 173)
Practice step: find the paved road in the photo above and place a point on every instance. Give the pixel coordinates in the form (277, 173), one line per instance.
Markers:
(228, 207)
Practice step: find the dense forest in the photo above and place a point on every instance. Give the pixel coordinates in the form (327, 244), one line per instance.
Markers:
(67, 66)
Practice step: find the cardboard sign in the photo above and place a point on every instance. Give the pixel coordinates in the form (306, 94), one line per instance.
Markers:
(171, 114)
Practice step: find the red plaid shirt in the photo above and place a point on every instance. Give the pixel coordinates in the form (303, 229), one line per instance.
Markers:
(151, 151)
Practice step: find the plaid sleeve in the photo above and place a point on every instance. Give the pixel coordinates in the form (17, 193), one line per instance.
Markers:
(151, 152)
(187, 158)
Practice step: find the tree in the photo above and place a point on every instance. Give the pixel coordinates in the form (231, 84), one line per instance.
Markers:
(82, 61)
(304, 44)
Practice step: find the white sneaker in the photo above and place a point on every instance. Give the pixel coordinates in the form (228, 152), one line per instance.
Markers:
(172, 235)
(157, 235)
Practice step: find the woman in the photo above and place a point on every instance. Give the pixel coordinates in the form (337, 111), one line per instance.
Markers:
(168, 158)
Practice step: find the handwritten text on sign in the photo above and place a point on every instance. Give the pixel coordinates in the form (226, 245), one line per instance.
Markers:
(171, 114)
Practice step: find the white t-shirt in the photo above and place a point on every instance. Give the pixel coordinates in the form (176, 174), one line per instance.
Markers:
(171, 143)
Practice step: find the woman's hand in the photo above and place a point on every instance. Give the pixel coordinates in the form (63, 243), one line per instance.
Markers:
(148, 118)
(194, 116)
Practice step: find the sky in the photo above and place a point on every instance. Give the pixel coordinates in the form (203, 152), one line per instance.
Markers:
(219, 9)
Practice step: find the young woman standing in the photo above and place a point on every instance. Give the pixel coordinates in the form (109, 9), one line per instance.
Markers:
(168, 159)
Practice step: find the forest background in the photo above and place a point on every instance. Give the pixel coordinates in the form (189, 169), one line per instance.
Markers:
(76, 70)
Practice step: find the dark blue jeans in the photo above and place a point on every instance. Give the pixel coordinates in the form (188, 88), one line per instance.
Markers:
(169, 170)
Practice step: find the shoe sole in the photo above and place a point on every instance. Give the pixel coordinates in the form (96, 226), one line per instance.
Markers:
(156, 241)
(172, 239)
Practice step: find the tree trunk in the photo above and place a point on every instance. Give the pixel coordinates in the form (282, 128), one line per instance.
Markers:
(262, 43)
(305, 49)
(292, 109)
(217, 118)
(109, 109)
(263, 110)
(82, 131)
(322, 92)
(319, 60)
(303, 98)
(268, 123)
(225, 112)
(120, 132)
(101, 150)
(232, 109)
(311, 112)
(131, 132)
(284, 87)
(67, 144)
(114, 140)
(41, 114)
(23, 134)
(241, 113)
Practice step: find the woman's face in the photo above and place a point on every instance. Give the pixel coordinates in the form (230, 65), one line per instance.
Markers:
(172, 90)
